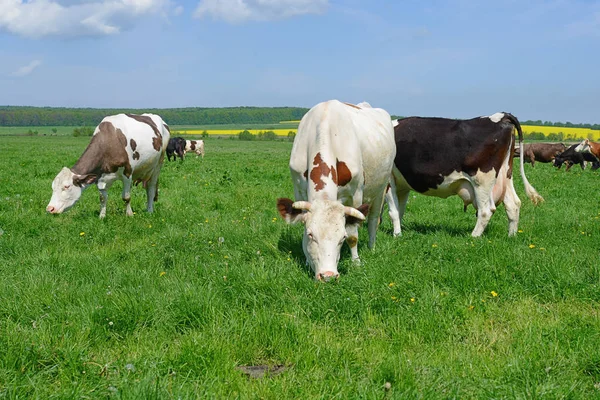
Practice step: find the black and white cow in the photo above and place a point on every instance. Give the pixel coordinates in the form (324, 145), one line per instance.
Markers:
(469, 158)
(571, 157)
(176, 147)
(127, 147)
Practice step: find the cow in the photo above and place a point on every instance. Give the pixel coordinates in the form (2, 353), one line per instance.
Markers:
(197, 146)
(587, 146)
(340, 164)
(571, 157)
(176, 147)
(470, 158)
(127, 147)
(541, 152)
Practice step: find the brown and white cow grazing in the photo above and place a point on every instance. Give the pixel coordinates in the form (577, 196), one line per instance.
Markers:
(469, 158)
(541, 152)
(197, 146)
(125, 146)
(340, 164)
(587, 146)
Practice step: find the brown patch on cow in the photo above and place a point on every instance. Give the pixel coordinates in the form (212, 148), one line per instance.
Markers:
(353, 106)
(133, 144)
(193, 145)
(343, 173)
(136, 155)
(305, 174)
(106, 153)
(320, 171)
(157, 141)
(167, 128)
(352, 241)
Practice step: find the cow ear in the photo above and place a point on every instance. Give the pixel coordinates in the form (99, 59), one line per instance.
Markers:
(80, 180)
(353, 217)
(290, 214)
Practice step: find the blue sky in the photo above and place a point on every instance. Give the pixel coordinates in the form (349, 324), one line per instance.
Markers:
(537, 59)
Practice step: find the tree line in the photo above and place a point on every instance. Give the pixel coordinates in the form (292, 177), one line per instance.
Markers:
(58, 116)
(54, 116)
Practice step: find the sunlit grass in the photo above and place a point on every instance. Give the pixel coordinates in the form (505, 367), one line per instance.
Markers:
(168, 305)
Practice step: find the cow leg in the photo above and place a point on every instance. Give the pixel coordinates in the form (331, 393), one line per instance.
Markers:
(392, 199)
(126, 195)
(151, 192)
(103, 200)
(373, 219)
(483, 198)
(512, 205)
(352, 240)
(402, 200)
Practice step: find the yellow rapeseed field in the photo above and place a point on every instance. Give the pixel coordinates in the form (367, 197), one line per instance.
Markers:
(567, 133)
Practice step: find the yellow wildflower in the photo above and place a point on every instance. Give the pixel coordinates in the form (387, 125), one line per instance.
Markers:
(392, 284)
(532, 246)
(163, 273)
(494, 294)
(81, 233)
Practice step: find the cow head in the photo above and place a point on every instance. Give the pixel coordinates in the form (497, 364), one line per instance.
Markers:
(583, 147)
(558, 161)
(66, 190)
(324, 231)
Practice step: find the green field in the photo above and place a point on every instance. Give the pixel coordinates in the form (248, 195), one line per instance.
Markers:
(169, 305)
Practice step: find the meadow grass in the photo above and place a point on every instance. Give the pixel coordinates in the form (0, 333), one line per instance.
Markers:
(168, 305)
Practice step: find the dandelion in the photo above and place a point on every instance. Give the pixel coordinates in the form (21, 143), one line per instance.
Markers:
(443, 293)
(583, 233)
(163, 273)
(494, 294)
(130, 367)
(392, 284)
(532, 246)
(81, 233)
(274, 219)
(520, 231)
(149, 226)
(394, 298)
(471, 308)
(225, 256)
(206, 220)
(412, 299)
(434, 245)
(289, 259)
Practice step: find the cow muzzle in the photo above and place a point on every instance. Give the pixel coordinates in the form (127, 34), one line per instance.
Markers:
(327, 276)
(52, 210)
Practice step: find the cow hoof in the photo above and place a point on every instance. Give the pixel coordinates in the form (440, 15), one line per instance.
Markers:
(356, 261)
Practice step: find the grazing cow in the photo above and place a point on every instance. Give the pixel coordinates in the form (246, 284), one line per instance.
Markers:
(469, 158)
(341, 163)
(571, 157)
(128, 147)
(176, 147)
(197, 146)
(587, 146)
(542, 152)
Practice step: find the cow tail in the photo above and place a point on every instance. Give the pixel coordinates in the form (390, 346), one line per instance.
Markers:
(533, 195)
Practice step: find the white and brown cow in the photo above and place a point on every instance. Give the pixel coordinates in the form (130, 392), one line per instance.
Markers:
(340, 164)
(197, 146)
(469, 158)
(125, 146)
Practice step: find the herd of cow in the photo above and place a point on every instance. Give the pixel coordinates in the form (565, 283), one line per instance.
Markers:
(346, 161)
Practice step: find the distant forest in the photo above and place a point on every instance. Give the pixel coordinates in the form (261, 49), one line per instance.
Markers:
(51, 116)
(55, 116)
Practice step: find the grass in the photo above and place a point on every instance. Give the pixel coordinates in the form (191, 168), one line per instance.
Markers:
(167, 305)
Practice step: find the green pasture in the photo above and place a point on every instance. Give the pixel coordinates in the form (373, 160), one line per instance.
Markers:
(172, 304)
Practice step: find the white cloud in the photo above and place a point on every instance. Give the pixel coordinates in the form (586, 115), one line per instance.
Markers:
(236, 11)
(27, 69)
(178, 11)
(39, 18)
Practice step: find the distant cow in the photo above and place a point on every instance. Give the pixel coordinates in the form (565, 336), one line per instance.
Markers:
(469, 158)
(542, 152)
(128, 147)
(587, 146)
(341, 163)
(571, 157)
(176, 147)
(197, 146)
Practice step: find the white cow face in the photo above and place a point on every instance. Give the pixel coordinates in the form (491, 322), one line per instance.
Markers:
(583, 147)
(64, 192)
(324, 233)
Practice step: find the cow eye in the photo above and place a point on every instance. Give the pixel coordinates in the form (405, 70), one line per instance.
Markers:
(311, 237)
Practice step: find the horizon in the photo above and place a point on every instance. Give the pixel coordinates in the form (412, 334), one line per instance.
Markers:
(450, 59)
